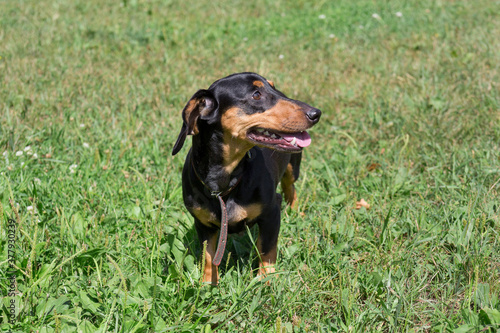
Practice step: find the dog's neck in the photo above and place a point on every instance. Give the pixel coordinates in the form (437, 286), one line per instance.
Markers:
(216, 164)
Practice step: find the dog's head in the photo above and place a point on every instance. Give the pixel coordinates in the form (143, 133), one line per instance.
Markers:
(250, 111)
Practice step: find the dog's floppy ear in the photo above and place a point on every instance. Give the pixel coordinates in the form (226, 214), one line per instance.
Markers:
(200, 105)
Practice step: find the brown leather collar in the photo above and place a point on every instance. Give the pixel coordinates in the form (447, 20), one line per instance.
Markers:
(215, 193)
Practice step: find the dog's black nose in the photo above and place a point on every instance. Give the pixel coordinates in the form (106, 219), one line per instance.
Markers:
(314, 114)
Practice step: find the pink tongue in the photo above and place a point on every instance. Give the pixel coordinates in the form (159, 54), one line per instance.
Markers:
(302, 138)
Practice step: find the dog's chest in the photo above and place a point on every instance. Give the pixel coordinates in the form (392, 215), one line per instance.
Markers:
(236, 213)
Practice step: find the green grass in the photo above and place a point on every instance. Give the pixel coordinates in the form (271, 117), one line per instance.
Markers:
(411, 124)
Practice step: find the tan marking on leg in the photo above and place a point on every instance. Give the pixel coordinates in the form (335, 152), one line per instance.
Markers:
(288, 187)
(294, 203)
(211, 272)
(267, 260)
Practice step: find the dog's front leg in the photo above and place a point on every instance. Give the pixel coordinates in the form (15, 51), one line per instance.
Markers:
(208, 239)
(267, 243)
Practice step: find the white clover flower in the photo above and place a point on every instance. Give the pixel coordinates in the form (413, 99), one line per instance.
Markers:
(72, 168)
(399, 14)
(82, 125)
(35, 155)
(22, 164)
(331, 36)
(29, 208)
(5, 154)
(376, 16)
(245, 39)
(281, 56)
(37, 180)
(86, 145)
(27, 148)
(322, 17)
(19, 153)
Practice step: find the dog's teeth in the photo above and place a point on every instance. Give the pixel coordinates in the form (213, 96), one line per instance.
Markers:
(294, 141)
(260, 130)
(266, 133)
(274, 136)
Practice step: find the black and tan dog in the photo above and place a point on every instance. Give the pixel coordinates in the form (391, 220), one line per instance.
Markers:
(247, 137)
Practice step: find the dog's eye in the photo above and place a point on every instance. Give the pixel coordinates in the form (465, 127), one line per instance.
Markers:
(256, 95)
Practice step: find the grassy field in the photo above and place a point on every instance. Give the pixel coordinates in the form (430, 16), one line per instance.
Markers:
(92, 218)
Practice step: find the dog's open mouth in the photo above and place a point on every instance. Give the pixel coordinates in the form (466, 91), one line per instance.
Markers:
(292, 142)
